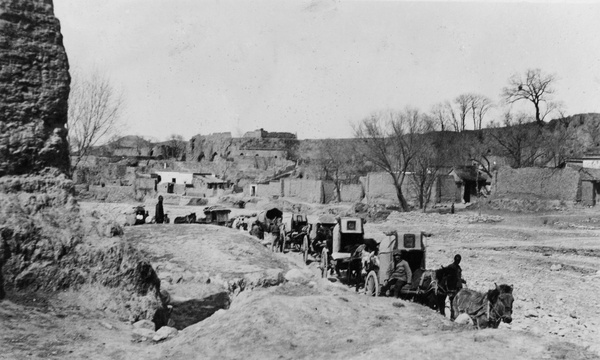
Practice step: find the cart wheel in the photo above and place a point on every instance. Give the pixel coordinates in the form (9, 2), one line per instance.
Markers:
(371, 284)
(324, 264)
(448, 306)
(305, 248)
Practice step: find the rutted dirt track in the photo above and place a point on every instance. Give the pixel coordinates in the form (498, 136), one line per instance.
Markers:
(552, 261)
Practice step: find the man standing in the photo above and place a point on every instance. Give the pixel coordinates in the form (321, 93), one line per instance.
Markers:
(160, 213)
(398, 274)
(456, 266)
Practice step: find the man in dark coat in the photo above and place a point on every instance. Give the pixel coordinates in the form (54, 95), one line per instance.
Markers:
(456, 266)
(160, 212)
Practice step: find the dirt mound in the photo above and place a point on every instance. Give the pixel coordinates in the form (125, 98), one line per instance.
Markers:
(48, 244)
(325, 321)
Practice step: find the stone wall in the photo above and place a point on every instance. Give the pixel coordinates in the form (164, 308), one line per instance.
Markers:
(34, 88)
(544, 183)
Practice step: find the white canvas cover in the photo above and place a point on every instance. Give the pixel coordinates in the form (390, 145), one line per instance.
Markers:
(351, 225)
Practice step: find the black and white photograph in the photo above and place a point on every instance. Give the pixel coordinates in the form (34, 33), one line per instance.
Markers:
(299, 179)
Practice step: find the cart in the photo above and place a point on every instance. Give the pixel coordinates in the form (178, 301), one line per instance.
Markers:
(320, 233)
(415, 250)
(296, 234)
(348, 235)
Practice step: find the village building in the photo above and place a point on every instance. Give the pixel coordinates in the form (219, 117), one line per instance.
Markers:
(470, 182)
(190, 184)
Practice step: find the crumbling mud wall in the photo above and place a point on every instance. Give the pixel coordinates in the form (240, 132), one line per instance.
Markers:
(34, 87)
(352, 192)
(550, 184)
(307, 190)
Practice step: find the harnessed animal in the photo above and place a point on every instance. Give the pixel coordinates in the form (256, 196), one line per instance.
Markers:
(486, 310)
(188, 219)
(435, 285)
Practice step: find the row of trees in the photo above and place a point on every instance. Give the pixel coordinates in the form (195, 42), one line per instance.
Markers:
(405, 144)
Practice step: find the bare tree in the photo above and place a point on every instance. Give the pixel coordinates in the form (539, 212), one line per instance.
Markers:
(175, 147)
(479, 106)
(520, 139)
(459, 109)
(535, 87)
(562, 141)
(439, 113)
(339, 162)
(425, 169)
(94, 110)
(389, 140)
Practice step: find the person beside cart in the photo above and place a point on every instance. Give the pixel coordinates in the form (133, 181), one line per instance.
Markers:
(398, 274)
(456, 266)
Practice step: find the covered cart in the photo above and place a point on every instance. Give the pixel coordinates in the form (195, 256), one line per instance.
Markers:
(415, 253)
(348, 235)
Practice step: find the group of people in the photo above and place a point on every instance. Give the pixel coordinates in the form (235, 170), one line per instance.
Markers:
(142, 216)
(400, 275)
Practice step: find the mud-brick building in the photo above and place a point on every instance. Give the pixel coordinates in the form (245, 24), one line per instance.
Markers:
(590, 186)
(207, 184)
(469, 182)
(190, 184)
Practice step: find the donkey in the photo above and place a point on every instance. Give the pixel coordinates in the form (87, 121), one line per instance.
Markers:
(435, 286)
(486, 310)
(188, 219)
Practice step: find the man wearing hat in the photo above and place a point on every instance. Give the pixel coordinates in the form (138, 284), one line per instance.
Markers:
(399, 274)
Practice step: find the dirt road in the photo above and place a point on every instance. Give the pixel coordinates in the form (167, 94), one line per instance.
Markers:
(552, 260)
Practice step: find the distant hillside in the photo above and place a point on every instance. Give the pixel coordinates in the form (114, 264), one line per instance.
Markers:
(576, 134)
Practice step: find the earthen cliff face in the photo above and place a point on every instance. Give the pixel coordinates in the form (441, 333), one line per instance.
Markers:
(34, 88)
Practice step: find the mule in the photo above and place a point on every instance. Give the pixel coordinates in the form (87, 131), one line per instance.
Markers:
(435, 286)
(486, 310)
(364, 259)
(188, 219)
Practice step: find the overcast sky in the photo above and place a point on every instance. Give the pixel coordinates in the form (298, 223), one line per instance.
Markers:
(315, 67)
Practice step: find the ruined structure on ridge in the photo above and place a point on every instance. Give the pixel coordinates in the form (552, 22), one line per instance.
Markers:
(258, 143)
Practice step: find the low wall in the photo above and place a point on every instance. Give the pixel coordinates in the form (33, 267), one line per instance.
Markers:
(307, 190)
(269, 190)
(351, 192)
(329, 193)
(555, 184)
(379, 188)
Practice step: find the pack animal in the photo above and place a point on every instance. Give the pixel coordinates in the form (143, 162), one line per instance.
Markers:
(435, 286)
(188, 219)
(486, 310)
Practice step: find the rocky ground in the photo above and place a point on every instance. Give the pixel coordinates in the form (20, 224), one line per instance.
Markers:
(232, 298)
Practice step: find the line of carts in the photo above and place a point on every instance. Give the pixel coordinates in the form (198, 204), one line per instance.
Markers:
(334, 245)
